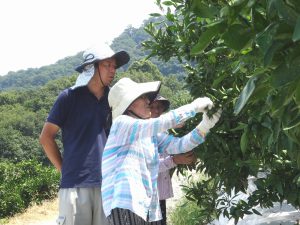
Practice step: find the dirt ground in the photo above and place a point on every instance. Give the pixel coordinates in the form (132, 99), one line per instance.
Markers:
(46, 213)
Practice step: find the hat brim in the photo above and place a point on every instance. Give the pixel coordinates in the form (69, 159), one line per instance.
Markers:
(122, 57)
(149, 88)
(164, 101)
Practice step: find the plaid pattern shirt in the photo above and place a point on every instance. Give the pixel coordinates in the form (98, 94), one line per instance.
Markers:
(130, 161)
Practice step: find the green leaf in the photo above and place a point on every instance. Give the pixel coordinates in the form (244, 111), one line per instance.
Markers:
(226, 214)
(285, 74)
(291, 196)
(271, 9)
(204, 11)
(225, 11)
(244, 141)
(297, 94)
(241, 126)
(298, 164)
(293, 135)
(279, 187)
(248, 212)
(168, 3)
(285, 12)
(259, 21)
(264, 39)
(155, 14)
(296, 34)
(268, 57)
(294, 123)
(256, 212)
(237, 36)
(206, 37)
(245, 95)
(283, 97)
(218, 80)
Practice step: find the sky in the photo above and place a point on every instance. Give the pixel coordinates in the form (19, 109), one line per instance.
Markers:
(35, 33)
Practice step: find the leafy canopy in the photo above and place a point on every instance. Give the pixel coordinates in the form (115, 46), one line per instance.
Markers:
(244, 54)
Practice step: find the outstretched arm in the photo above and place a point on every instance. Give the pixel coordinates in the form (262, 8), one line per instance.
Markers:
(176, 145)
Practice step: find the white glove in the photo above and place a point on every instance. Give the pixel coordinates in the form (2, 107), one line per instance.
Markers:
(207, 123)
(202, 104)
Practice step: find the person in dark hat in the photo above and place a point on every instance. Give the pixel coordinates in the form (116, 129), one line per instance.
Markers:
(159, 106)
(81, 112)
(130, 160)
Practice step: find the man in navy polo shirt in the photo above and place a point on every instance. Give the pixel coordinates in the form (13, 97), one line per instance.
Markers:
(81, 113)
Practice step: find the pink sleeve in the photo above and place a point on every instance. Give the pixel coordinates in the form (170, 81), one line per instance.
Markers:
(166, 163)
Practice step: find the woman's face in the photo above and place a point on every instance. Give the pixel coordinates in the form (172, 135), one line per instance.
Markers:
(157, 108)
(141, 107)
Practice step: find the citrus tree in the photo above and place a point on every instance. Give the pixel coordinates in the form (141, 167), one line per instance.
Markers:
(245, 55)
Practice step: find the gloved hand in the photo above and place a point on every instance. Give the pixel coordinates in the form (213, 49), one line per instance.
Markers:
(202, 104)
(207, 123)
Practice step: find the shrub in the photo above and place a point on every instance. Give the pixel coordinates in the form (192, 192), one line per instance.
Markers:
(186, 213)
(24, 183)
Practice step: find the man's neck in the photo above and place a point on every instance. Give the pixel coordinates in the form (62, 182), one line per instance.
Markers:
(96, 88)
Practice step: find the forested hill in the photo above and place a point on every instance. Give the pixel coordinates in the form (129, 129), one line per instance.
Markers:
(32, 77)
(130, 40)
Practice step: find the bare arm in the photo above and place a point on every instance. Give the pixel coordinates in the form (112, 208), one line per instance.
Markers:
(169, 162)
(47, 140)
(185, 158)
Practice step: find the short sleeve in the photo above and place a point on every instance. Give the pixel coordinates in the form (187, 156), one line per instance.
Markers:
(59, 111)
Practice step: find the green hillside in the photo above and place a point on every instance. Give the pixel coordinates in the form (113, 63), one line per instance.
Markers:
(130, 40)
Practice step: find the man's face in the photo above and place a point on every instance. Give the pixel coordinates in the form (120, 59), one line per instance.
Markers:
(107, 70)
(157, 108)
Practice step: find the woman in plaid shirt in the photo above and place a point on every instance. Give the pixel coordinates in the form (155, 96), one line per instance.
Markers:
(130, 160)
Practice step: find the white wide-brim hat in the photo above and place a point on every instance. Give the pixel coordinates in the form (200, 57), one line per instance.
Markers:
(95, 54)
(100, 52)
(125, 91)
